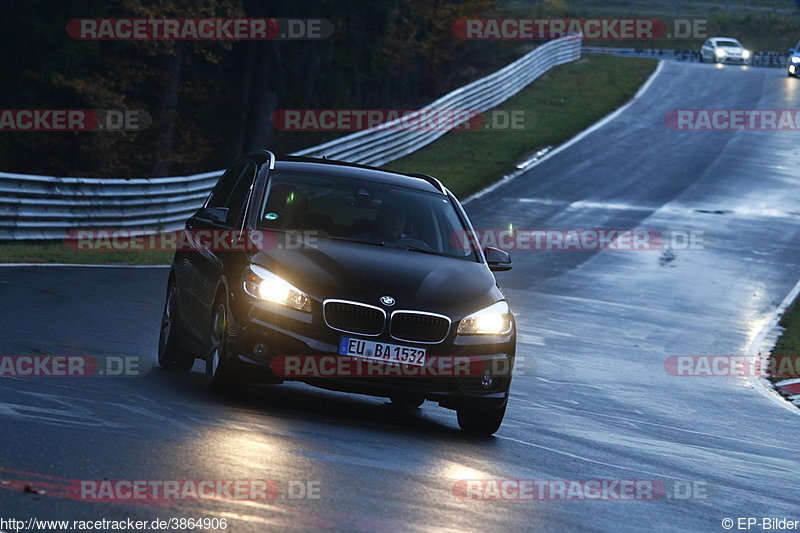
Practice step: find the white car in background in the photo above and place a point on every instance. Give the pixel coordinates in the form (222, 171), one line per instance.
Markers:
(724, 50)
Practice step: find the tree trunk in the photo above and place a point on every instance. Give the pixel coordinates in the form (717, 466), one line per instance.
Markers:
(167, 120)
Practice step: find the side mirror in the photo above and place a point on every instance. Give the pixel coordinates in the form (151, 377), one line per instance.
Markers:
(215, 215)
(498, 260)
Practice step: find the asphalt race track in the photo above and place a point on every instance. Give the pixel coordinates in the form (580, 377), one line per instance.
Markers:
(593, 402)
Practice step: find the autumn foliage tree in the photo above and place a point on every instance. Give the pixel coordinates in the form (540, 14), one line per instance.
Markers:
(210, 101)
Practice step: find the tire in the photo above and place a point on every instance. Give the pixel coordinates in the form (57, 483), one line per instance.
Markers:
(221, 371)
(170, 354)
(480, 422)
(407, 401)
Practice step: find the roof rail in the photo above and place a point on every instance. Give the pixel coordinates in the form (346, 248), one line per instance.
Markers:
(267, 155)
(430, 179)
(272, 159)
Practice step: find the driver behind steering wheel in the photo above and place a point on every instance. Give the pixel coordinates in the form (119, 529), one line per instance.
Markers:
(390, 222)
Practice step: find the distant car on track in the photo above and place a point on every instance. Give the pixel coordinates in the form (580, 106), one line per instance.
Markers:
(724, 50)
(794, 61)
(384, 283)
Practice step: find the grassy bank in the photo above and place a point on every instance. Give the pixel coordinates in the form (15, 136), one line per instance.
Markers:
(761, 25)
(557, 106)
(789, 341)
(60, 253)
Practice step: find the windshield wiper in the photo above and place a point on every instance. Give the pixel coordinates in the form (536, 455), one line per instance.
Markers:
(424, 251)
(359, 241)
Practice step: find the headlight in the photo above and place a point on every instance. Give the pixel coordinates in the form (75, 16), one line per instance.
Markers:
(745, 54)
(720, 52)
(795, 59)
(262, 284)
(492, 320)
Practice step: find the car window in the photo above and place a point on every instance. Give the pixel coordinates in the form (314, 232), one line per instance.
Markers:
(729, 43)
(237, 200)
(359, 210)
(222, 190)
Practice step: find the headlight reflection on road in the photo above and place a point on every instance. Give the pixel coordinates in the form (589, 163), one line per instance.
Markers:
(457, 472)
(789, 89)
(238, 447)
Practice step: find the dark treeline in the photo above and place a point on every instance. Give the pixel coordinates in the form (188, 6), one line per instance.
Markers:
(211, 100)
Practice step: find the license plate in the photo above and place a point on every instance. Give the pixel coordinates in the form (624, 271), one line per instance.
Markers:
(382, 351)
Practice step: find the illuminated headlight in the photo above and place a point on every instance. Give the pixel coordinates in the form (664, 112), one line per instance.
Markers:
(795, 59)
(720, 52)
(492, 320)
(262, 284)
(745, 54)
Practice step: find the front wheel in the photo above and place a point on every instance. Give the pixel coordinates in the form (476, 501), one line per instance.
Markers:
(480, 422)
(170, 354)
(220, 366)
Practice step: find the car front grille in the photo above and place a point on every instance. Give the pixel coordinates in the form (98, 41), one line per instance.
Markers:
(415, 326)
(353, 317)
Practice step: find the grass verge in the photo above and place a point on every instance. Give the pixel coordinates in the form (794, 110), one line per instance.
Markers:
(761, 25)
(789, 342)
(59, 253)
(558, 105)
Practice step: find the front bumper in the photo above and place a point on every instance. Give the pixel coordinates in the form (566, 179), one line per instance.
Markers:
(267, 331)
(733, 60)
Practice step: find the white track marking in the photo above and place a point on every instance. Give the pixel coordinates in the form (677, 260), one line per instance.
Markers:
(591, 129)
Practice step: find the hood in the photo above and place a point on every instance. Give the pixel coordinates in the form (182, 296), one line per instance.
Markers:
(364, 273)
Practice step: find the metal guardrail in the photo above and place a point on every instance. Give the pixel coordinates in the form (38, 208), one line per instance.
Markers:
(759, 59)
(45, 208)
(381, 145)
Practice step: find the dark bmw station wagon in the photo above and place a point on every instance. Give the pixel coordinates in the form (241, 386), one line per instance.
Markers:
(376, 272)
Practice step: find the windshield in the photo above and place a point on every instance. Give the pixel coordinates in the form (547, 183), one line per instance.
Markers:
(729, 43)
(364, 212)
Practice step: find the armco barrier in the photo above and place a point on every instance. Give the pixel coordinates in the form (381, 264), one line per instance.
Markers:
(759, 59)
(45, 208)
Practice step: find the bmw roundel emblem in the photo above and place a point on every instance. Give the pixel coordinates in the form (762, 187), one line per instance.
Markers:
(387, 301)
